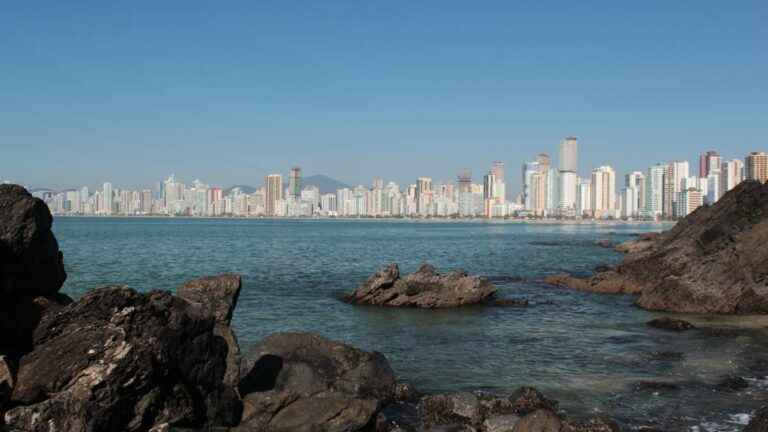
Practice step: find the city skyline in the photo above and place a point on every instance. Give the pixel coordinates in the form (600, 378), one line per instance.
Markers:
(666, 190)
(112, 92)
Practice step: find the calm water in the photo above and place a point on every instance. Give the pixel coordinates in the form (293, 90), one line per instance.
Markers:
(585, 350)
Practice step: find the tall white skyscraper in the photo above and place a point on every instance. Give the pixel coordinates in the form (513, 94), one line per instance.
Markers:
(654, 191)
(584, 197)
(673, 185)
(107, 199)
(731, 174)
(603, 192)
(568, 175)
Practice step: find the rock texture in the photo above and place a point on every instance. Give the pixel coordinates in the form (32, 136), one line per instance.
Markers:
(31, 268)
(425, 288)
(304, 382)
(120, 360)
(670, 324)
(712, 261)
(759, 422)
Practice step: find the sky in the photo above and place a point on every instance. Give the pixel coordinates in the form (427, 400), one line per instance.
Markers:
(227, 92)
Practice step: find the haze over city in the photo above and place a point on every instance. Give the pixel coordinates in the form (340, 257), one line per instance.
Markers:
(229, 94)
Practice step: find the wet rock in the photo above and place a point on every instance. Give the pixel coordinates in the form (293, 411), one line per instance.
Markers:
(471, 410)
(642, 242)
(712, 261)
(304, 382)
(31, 266)
(591, 425)
(217, 297)
(123, 361)
(656, 386)
(501, 423)
(7, 382)
(425, 288)
(605, 243)
(404, 392)
(670, 324)
(542, 420)
(759, 421)
(732, 384)
(666, 356)
(515, 302)
(607, 282)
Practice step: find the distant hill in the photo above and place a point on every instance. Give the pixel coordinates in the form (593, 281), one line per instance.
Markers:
(244, 188)
(324, 183)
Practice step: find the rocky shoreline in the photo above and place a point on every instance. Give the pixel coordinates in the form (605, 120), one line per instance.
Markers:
(713, 261)
(120, 360)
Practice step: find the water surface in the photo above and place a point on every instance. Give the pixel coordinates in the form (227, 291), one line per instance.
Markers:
(586, 350)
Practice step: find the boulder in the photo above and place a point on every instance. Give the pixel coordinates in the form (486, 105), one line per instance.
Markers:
(732, 384)
(542, 420)
(120, 360)
(304, 382)
(670, 324)
(425, 288)
(591, 425)
(712, 261)
(759, 421)
(470, 411)
(217, 296)
(31, 267)
(7, 382)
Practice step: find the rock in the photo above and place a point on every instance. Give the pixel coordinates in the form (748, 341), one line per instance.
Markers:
(759, 421)
(732, 384)
(123, 361)
(217, 296)
(471, 410)
(518, 302)
(501, 423)
(7, 382)
(424, 288)
(642, 242)
(304, 382)
(666, 356)
(31, 267)
(31, 264)
(542, 420)
(592, 425)
(655, 386)
(670, 324)
(404, 392)
(603, 243)
(606, 282)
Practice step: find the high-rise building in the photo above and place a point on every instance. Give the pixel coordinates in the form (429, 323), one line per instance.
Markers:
(500, 188)
(107, 199)
(568, 174)
(654, 191)
(569, 156)
(584, 197)
(273, 187)
(603, 192)
(423, 196)
(690, 200)
(294, 183)
(756, 166)
(731, 174)
(636, 179)
(464, 180)
(673, 183)
(708, 161)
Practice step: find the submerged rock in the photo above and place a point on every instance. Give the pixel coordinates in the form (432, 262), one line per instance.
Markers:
(425, 288)
(759, 421)
(304, 382)
(712, 261)
(671, 324)
(120, 360)
(732, 384)
(31, 268)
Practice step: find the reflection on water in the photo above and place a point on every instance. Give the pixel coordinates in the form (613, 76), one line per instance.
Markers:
(589, 351)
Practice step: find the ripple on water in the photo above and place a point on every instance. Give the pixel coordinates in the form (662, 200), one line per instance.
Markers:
(584, 349)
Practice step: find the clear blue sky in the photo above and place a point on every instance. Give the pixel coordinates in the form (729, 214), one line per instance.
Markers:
(227, 92)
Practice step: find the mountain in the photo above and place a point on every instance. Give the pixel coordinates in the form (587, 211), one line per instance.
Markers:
(324, 183)
(244, 188)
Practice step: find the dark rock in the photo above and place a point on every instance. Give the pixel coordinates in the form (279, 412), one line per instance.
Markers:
(607, 282)
(472, 410)
(605, 243)
(217, 296)
(404, 392)
(31, 266)
(424, 288)
(712, 261)
(666, 356)
(518, 302)
(759, 422)
(542, 420)
(591, 425)
(7, 382)
(671, 324)
(304, 382)
(732, 384)
(655, 386)
(123, 361)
